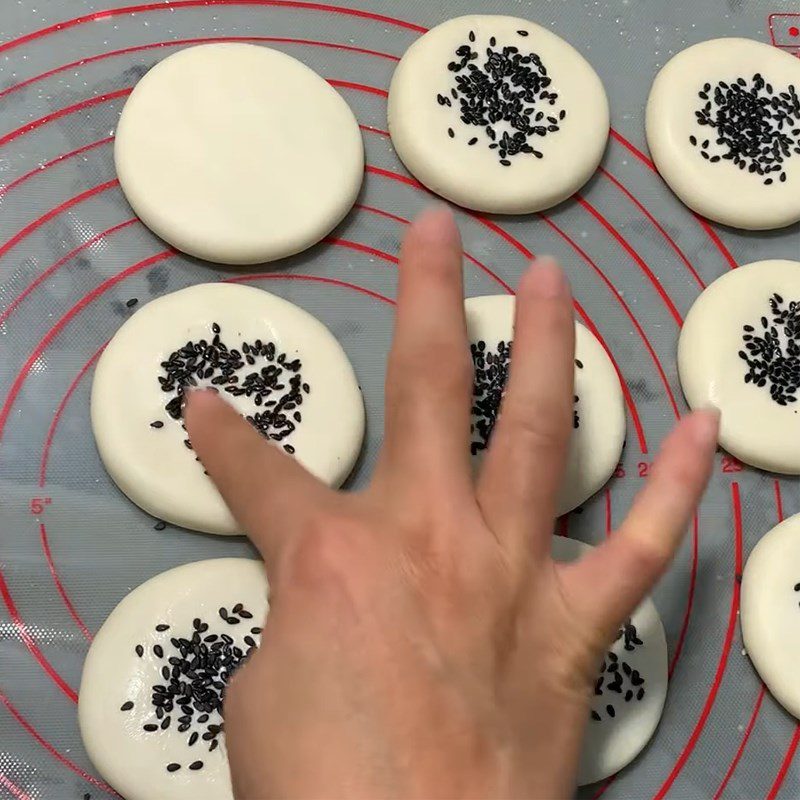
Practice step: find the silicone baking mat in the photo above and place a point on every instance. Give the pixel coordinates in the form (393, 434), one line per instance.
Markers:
(72, 255)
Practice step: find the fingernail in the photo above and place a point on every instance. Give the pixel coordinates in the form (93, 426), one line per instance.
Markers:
(192, 393)
(437, 225)
(706, 428)
(546, 278)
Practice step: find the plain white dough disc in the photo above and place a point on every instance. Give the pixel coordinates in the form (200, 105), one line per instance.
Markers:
(238, 154)
(143, 445)
(631, 687)
(753, 312)
(770, 611)
(123, 674)
(599, 434)
(535, 97)
(719, 79)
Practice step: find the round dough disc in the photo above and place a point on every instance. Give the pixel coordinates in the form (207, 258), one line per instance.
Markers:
(143, 444)
(752, 311)
(635, 690)
(771, 611)
(599, 410)
(238, 154)
(719, 81)
(118, 685)
(550, 136)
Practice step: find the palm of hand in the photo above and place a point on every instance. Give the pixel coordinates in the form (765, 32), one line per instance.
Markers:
(421, 641)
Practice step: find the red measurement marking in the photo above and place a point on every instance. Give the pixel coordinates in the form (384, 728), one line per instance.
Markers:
(50, 749)
(625, 307)
(748, 730)
(710, 232)
(54, 212)
(28, 175)
(643, 468)
(641, 263)
(724, 654)
(62, 112)
(100, 16)
(198, 40)
(794, 31)
(619, 472)
(670, 241)
(731, 464)
(38, 505)
(785, 764)
(689, 597)
(13, 789)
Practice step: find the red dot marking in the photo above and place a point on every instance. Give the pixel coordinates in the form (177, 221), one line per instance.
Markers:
(180, 4)
(726, 648)
(52, 750)
(794, 31)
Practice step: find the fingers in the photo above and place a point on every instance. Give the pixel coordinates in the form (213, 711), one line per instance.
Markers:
(524, 466)
(430, 371)
(266, 490)
(612, 580)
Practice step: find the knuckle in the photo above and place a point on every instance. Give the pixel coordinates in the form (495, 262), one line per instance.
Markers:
(439, 368)
(539, 424)
(334, 557)
(649, 555)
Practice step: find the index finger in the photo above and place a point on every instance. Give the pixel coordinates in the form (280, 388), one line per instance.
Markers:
(267, 491)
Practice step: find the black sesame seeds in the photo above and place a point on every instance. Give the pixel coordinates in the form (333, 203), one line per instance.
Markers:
(618, 677)
(772, 351)
(194, 683)
(754, 126)
(257, 371)
(491, 375)
(507, 93)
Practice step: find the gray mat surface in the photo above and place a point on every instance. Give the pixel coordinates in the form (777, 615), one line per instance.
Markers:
(71, 255)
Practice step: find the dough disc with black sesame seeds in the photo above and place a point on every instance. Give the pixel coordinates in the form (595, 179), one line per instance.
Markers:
(723, 126)
(122, 675)
(771, 611)
(739, 351)
(632, 683)
(511, 131)
(238, 154)
(599, 416)
(286, 372)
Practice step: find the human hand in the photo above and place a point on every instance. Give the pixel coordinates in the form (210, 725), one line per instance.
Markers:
(421, 642)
